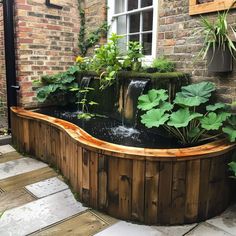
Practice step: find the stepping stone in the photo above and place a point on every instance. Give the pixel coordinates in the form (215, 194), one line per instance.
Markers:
(205, 229)
(175, 230)
(24, 179)
(82, 225)
(39, 214)
(125, 228)
(6, 149)
(46, 187)
(9, 157)
(226, 221)
(20, 166)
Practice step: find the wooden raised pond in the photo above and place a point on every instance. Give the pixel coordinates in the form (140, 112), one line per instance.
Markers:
(152, 186)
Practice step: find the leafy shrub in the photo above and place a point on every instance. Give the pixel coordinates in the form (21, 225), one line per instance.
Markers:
(188, 118)
(163, 65)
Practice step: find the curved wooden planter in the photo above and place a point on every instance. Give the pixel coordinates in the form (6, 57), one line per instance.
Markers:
(152, 186)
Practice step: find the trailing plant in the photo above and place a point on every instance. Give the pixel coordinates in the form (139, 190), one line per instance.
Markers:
(93, 37)
(189, 118)
(163, 65)
(217, 34)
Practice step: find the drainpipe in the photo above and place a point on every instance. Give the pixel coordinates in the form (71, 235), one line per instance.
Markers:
(10, 59)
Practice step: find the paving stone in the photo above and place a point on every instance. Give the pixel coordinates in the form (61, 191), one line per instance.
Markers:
(46, 187)
(39, 214)
(128, 229)
(6, 149)
(16, 167)
(226, 221)
(206, 229)
(24, 179)
(86, 224)
(175, 230)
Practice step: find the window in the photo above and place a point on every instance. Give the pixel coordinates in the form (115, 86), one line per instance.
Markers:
(135, 20)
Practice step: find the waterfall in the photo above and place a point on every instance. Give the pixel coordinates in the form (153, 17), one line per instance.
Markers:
(84, 83)
(130, 112)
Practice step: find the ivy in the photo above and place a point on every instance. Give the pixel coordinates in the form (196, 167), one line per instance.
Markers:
(94, 37)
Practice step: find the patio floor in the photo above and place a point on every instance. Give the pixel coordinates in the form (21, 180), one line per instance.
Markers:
(35, 201)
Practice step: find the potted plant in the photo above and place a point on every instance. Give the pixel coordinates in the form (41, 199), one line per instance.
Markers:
(189, 118)
(218, 46)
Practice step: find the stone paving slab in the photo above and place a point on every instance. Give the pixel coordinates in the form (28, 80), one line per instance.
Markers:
(128, 229)
(205, 229)
(38, 214)
(6, 149)
(226, 221)
(20, 166)
(46, 187)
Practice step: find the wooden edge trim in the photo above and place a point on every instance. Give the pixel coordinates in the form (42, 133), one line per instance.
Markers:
(195, 9)
(215, 148)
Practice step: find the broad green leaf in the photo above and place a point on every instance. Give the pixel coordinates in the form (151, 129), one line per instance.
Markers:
(44, 92)
(166, 106)
(232, 167)
(93, 103)
(182, 117)
(194, 94)
(232, 121)
(154, 118)
(214, 121)
(193, 132)
(67, 79)
(231, 133)
(217, 106)
(152, 99)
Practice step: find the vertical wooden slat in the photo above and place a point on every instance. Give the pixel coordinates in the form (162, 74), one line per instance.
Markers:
(192, 190)
(125, 186)
(32, 141)
(138, 189)
(113, 186)
(102, 180)
(93, 165)
(26, 135)
(178, 193)
(151, 192)
(79, 171)
(165, 192)
(85, 176)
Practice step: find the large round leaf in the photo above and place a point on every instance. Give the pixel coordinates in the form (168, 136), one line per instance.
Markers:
(194, 94)
(154, 118)
(214, 121)
(218, 106)
(182, 117)
(152, 99)
(231, 133)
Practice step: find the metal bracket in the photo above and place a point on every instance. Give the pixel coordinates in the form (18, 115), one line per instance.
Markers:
(16, 87)
(49, 4)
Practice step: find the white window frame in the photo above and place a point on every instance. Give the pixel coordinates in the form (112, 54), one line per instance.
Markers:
(112, 22)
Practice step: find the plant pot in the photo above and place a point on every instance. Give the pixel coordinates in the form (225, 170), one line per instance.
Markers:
(219, 60)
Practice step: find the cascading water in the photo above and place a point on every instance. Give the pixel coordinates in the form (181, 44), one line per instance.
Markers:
(84, 83)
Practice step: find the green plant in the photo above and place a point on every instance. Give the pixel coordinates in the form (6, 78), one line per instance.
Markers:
(188, 118)
(217, 34)
(132, 59)
(163, 65)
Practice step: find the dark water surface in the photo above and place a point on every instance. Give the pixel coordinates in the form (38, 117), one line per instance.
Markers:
(111, 130)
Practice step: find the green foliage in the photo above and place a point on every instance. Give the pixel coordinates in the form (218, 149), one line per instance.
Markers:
(232, 167)
(163, 65)
(217, 34)
(188, 118)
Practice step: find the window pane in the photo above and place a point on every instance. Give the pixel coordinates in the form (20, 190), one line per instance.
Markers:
(147, 44)
(121, 25)
(132, 4)
(134, 23)
(134, 37)
(122, 43)
(119, 6)
(146, 3)
(147, 20)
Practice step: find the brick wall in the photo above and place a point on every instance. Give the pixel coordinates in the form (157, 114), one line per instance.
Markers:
(3, 109)
(176, 41)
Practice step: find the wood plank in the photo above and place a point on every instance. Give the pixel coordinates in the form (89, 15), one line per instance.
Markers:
(125, 187)
(26, 135)
(138, 188)
(9, 157)
(80, 173)
(93, 180)
(102, 182)
(192, 191)
(22, 180)
(86, 224)
(106, 218)
(14, 198)
(85, 177)
(151, 192)
(178, 193)
(165, 192)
